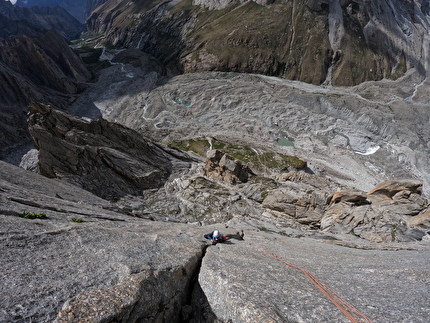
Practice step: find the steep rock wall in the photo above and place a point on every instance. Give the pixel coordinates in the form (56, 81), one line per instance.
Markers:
(382, 39)
(74, 149)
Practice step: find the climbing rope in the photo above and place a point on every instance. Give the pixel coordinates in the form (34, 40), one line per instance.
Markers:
(353, 314)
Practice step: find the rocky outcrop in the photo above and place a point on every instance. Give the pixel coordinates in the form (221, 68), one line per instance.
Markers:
(398, 214)
(420, 221)
(104, 158)
(387, 214)
(354, 197)
(36, 20)
(395, 190)
(216, 4)
(300, 196)
(221, 166)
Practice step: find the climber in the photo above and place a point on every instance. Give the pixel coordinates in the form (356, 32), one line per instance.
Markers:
(215, 237)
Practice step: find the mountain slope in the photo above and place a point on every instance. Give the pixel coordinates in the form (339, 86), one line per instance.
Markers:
(80, 9)
(76, 8)
(35, 20)
(337, 42)
(40, 68)
(91, 5)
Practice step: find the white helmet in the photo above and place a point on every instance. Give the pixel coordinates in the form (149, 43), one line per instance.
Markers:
(216, 233)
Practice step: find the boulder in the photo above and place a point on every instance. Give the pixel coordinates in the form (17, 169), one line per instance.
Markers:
(29, 160)
(285, 202)
(344, 218)
(258, 188)
(302, 196)
(389, 189)
(421, 220)
(389, 217)
(354, 197)
(224, 167)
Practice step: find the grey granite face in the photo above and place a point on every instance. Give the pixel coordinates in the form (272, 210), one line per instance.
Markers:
(251, 284)
(119, 223)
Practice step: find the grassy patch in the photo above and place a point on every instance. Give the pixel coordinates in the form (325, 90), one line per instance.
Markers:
(401, 68)
(184, 7)
(258, 161)
(31, 215)
(281, 161)
(199, 146)
(77, 220)
(393, 233)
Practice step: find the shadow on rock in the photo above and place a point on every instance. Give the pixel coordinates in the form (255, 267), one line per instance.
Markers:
(238, 236)
(104, 158)
(201, 309)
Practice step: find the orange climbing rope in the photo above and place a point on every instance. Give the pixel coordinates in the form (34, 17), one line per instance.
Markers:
(353, 314)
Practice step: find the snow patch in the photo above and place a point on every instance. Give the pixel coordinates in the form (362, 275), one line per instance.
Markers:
(369, 151)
